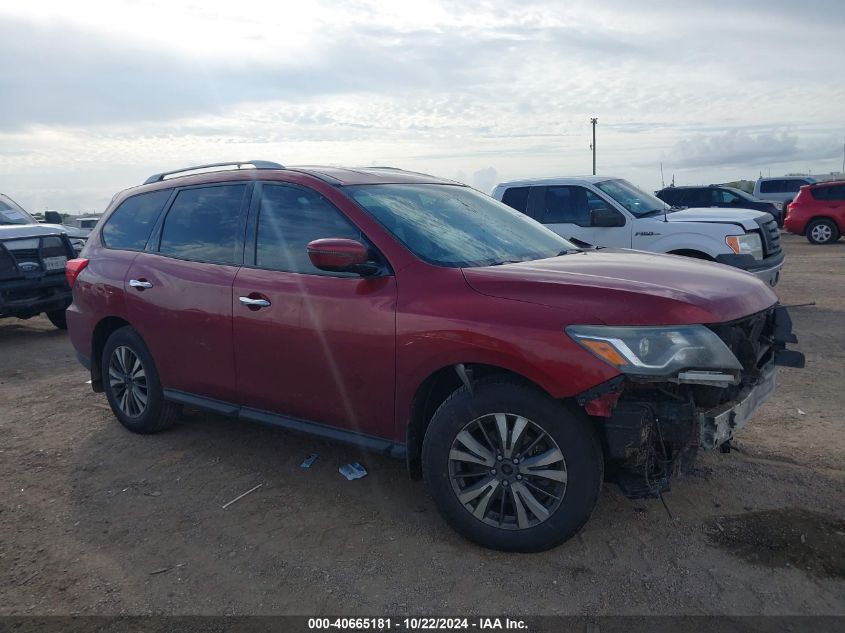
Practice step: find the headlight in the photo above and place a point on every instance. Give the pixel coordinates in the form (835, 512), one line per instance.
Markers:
(747, 244)
(655, 351)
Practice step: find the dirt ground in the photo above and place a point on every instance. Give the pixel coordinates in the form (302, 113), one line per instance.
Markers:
(95, 520)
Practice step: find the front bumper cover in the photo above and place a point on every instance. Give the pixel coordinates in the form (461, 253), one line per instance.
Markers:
(767, 270)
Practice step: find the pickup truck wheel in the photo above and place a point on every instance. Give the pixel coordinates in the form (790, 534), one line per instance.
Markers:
(132, 384)
(510, 468)
(822, 231)
(58, 318)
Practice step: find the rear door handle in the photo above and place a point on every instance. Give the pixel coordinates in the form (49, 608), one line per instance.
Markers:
(258, 303)
(140, 284)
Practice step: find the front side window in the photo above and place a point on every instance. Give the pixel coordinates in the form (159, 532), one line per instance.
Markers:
(130, 225)
(636, 201)
(288, 219)
(569, 205)
(451, 225)
(721, 196)
(202, 224)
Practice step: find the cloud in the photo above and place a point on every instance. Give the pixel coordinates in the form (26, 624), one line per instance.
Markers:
(98, 96)
(485, 179)
(738, 148)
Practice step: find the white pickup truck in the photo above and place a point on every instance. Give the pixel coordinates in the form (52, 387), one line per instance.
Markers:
(612, 212)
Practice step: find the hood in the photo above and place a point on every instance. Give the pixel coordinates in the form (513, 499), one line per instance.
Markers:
(624, 287)
(745, 218)
(8, 231)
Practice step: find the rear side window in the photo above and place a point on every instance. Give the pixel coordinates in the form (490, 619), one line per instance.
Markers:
(130, 225)
(771, 186)
(517, 198)
(289, 218)
(202, 224)
(835, 192)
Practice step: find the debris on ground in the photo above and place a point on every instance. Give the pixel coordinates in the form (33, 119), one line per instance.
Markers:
(352, 471)
(309, 460)
(787, 537)
(800, 412)
(241, 496)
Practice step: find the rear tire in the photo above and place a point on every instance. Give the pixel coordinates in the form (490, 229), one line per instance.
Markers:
(822, 231)
(58, 318)
(523, 505)
(132, 385)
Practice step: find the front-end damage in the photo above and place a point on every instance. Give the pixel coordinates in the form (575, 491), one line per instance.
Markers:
(680, 392)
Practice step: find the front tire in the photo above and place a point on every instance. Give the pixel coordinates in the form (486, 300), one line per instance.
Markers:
(822, 231)
(511, 468)
(58, 318)
(132, 385)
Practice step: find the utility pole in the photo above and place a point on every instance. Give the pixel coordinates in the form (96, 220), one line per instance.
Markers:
(593, 121)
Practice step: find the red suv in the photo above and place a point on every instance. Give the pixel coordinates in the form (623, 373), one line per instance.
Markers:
(424, 320)
(818, 212)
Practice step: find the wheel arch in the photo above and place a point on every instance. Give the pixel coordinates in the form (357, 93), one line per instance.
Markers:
(434, 390)
(691, 252)
(102, 331)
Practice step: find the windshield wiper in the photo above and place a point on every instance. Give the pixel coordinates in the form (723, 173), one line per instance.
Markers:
(508, 261)
(653, 212)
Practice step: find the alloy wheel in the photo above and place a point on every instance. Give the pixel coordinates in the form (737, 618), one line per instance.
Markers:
(821, 233)
(128, 381)
(507, 471)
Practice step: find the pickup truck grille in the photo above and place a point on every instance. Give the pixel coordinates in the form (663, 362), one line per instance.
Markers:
(771, 237)
(26, 262)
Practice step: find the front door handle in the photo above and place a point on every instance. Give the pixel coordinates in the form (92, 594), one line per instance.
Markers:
(258, 303)
(140, 284)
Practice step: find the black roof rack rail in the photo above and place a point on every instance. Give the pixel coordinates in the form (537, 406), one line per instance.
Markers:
(257, 164)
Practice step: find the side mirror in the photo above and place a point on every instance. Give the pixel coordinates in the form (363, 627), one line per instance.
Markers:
(52, 217)
(340, 255)
(605, 217)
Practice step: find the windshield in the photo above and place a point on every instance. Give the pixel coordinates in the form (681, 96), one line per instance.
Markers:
(12, 213)
(451, 225)
(634, 200)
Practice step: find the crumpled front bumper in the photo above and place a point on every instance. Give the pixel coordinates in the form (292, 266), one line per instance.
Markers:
(653, 431)
(718, 425)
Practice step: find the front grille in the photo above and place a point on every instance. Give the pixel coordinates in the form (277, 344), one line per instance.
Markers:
(26, 255)
(771, 237)
(47, 258)
(750, 339)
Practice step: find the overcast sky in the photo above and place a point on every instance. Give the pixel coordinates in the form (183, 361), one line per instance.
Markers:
(97, 96)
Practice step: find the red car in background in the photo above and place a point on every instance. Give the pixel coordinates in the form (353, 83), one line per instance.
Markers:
(818, 212)
(422, 319)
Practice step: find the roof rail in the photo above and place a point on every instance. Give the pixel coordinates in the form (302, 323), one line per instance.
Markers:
(257, 164)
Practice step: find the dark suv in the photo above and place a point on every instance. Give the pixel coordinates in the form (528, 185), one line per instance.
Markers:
(424, 320)
(718, 196)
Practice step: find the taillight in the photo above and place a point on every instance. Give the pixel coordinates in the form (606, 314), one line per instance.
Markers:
(74, 267)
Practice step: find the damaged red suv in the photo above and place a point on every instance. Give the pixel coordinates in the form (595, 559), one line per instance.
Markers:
(422, 319)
